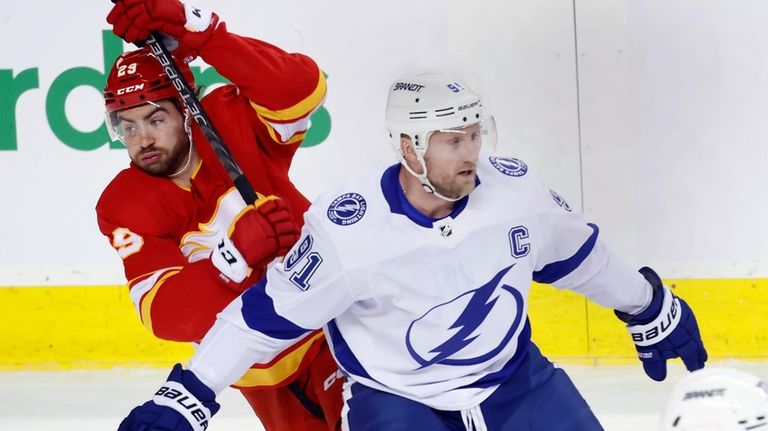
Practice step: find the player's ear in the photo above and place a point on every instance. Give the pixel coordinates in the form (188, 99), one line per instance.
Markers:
(406, 146)
(409, 153)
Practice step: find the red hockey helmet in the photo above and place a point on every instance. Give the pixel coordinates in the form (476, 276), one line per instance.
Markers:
(137, 78)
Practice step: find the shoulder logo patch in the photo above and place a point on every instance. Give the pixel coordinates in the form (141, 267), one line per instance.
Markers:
(347, 209)
(560, 201)
(509, 166)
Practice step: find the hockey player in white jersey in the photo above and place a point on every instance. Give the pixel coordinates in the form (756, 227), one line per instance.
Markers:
(420, 277)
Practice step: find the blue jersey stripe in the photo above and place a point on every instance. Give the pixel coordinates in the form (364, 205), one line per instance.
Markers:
(501, 376)
(343, 354)
(259, 314)
(556, 270)
(398, 204)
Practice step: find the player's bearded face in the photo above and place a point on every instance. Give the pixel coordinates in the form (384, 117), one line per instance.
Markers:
(155, 137)
(451, 160)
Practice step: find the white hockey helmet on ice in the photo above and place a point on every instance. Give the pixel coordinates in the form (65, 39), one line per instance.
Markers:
(717, 399)
(422, 104)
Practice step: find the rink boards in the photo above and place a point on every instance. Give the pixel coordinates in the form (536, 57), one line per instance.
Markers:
(96, 327)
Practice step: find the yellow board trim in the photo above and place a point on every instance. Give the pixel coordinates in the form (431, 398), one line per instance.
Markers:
(732, 316)
(93, 327)
(64, 328)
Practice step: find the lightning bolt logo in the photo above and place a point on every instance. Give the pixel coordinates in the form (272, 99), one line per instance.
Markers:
(509, 166)
(465, 328)
(347, 209)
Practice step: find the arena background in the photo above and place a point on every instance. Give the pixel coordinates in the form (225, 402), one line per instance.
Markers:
(650, 116)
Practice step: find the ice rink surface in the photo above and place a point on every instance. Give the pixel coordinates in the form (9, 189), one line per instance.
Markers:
(622, 397)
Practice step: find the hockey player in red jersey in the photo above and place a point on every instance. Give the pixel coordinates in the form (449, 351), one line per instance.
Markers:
(188, 241)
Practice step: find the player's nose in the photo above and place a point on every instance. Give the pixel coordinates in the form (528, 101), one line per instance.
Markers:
(145, 138)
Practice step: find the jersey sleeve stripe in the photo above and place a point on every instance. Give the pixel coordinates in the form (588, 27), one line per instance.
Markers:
(259, 313)
(143, 293)
(281, 368)
(136, 280)
(343, 354)
(139, 286)
(554, 271)
(299, 110)
(287, 133)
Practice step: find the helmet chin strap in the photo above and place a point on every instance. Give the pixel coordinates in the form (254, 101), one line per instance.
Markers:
(425, 183)
(188, 129)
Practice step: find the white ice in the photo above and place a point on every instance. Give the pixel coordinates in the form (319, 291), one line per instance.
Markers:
(622, 397)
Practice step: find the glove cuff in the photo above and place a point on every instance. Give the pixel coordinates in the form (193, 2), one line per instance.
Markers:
(661, 325)
(186, 394)
(200, 26)
(198, 18)
(229, 263)
(654, 308)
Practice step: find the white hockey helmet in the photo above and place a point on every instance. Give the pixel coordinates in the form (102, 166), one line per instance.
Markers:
(425, 103)
(717, 399)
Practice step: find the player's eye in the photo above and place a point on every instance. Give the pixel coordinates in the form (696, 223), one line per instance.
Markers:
(155, 122)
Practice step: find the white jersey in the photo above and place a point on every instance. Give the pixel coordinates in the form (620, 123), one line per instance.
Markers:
(431, 310)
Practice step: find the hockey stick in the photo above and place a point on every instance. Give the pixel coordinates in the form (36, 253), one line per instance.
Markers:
(201, 118)
(223, 154)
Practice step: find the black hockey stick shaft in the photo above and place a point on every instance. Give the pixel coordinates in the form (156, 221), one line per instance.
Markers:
(201, 118)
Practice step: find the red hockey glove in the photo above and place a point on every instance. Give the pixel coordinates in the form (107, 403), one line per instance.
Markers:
(264, 231)
(261, 232)
(134, 20)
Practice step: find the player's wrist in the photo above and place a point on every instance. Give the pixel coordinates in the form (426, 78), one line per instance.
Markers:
(657, 301)
(227, 281)
(199, 27)
(228, 259)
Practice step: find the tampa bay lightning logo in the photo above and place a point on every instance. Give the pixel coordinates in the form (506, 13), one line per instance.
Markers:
(560, 201)
(509, 166)
(488, 318)
(347, 209)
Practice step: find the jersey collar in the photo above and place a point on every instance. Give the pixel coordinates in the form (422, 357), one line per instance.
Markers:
(398, 204)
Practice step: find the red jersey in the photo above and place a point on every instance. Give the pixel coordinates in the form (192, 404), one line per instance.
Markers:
(165, 233)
